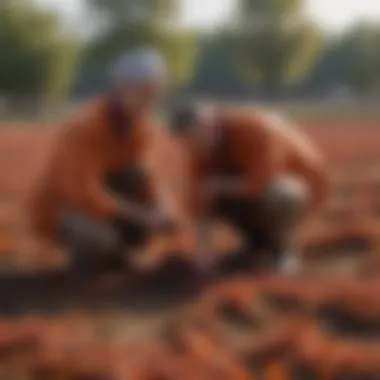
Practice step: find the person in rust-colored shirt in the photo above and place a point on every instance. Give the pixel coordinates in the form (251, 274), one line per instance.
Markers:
(106, 184)
(253, 168)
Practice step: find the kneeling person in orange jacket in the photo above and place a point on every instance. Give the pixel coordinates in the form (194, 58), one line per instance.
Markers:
(257, 171)
(102, 190)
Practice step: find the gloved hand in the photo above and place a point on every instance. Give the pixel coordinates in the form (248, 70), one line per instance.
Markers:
(160, 222)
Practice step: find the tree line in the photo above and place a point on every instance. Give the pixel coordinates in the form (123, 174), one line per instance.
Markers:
(267, 47)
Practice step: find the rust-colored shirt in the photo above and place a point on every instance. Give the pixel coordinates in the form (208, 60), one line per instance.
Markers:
(85, 151)
(260, 147)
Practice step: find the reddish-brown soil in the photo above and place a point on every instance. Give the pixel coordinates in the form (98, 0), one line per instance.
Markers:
(274, 328)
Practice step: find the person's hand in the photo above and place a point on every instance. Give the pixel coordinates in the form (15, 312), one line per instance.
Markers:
(149, 257)
(154, 220)
(161, 222)
(135, 213)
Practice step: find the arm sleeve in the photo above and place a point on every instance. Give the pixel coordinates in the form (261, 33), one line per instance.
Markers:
(162, 172)
(84, 182)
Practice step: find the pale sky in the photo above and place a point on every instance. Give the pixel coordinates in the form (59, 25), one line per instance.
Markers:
(333, 14)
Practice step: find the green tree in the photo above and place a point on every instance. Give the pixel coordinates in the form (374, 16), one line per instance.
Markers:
(35, 56)
(273, 41)
(362, 46)
(124, 24)
(215, 72)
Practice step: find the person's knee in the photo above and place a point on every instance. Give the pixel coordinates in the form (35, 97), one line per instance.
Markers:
(105, 240)
(288, 196)
(83, 234)
(284, 207)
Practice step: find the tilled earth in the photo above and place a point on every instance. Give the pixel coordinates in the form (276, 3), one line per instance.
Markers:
(324, 324)
(312, 326)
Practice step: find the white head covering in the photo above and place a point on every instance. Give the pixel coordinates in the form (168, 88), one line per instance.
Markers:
(138, 65)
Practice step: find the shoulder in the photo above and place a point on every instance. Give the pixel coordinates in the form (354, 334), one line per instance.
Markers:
(290, 133)
(271, 123)
(84, 129)
(250, 122)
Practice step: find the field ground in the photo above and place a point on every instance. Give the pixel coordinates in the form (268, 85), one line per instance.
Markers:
(252, 326)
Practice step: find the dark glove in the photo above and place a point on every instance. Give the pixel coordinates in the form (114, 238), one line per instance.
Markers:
(161, 223)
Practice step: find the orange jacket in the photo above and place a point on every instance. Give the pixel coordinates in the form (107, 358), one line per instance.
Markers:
(85, 151)
(261, 147)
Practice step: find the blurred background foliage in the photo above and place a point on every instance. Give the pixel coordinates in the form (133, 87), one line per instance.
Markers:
(268, 49)
(36, 56)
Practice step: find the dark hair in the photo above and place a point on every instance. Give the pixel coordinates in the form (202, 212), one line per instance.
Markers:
(183, 117)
